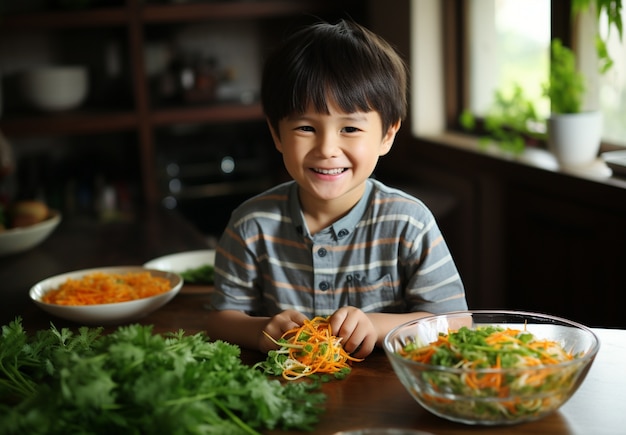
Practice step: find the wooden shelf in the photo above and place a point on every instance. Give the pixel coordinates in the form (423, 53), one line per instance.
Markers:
(142, 116)
(230, 10)
(211, 113)
(188, 12)
(69, 123)
(65, 19)
(224, 188)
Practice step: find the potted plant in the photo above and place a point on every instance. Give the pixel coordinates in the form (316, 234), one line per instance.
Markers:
(573, 135)
(510, 123)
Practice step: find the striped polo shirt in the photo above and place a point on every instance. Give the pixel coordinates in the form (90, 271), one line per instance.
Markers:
(386, 255)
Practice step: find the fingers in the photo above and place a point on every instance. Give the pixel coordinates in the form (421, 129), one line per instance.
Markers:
(365, 348)
(277, 326)
(296, 317)
(352, 325)
(355, 329)
(360, 343)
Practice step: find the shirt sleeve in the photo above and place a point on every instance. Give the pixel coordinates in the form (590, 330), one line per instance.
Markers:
(235, 275)
(434, 284)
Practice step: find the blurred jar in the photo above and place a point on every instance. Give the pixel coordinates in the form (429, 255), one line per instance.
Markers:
(7, 161)
(7, 171)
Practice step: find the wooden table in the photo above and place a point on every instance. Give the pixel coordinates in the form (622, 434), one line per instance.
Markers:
(373, 397)
(370, 396)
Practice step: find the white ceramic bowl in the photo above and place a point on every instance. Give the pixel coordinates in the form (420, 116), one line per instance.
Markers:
(105, 314)
(55, 88)
(183, 261)
(447, 391)
(15, 240)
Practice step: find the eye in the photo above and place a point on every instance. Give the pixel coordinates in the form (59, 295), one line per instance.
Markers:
(306, 128)
(350, 130)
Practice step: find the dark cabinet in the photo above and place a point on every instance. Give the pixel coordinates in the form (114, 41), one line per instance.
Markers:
(566, 257)
(525, 238)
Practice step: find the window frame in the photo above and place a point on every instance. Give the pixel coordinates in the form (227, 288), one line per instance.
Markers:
(455, 57)
(456, 51)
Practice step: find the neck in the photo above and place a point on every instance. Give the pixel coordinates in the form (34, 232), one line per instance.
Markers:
(320, 214)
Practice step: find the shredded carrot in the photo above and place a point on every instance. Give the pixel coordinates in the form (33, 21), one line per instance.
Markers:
(312, 348)
(481, 355)
(107, 288)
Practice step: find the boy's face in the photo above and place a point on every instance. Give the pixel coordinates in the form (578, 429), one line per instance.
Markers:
(331, 156)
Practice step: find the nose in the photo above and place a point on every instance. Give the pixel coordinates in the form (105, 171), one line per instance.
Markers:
(327, 145)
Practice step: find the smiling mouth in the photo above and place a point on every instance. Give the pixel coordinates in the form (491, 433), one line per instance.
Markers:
(335, 171)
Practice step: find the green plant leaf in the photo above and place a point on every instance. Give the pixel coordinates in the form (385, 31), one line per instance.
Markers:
(566, 86)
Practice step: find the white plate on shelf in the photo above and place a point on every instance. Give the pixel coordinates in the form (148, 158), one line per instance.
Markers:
(183, 261)
(596, 169)
(616, 160)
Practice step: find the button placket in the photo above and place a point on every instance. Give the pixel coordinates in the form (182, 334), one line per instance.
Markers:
(323, 278)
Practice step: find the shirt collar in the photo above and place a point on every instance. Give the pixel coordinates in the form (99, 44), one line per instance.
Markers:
(339, 229)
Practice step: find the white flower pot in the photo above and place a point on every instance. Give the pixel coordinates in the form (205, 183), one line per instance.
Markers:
(574, 138)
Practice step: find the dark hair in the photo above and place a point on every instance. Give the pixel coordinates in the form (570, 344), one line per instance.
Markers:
(344, 62)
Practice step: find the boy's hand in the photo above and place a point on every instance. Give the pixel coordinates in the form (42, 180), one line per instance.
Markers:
(277, 326)
(356, 330)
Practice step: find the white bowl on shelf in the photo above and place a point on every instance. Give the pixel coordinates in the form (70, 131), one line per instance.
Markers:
(16, 240)
(55, 88)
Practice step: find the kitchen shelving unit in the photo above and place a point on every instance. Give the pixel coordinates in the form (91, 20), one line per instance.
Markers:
(142, 116)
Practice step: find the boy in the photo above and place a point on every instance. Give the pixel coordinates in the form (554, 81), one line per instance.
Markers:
(332, 242)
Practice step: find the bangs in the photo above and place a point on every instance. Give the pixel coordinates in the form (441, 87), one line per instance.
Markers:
(328, 81)
(344, 65)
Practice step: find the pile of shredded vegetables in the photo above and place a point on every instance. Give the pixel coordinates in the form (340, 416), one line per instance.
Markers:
(533, 385)
(310, 349)
(107, 288)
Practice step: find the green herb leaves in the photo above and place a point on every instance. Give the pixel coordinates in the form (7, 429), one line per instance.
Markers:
(200, 275)
(135, 381)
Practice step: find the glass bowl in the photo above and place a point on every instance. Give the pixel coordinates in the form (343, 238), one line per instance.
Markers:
(477, 395)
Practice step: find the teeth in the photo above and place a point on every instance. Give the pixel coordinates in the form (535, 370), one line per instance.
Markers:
(329, 171)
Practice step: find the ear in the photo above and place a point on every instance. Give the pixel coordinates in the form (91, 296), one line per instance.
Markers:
(275, 137)
(389, 137)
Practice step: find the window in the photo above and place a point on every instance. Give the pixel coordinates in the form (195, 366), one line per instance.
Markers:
(510, 43)
(509, 46)
(490, 45)
(612, 88)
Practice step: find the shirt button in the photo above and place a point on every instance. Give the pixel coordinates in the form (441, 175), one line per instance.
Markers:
(322, 252)
(343, 233)
(324, 285)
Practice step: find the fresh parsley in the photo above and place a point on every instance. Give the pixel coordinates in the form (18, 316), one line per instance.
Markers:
(134, 381)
